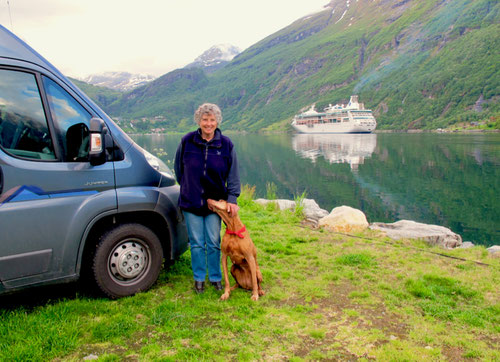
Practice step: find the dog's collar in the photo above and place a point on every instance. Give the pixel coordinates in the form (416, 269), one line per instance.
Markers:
(239, 232)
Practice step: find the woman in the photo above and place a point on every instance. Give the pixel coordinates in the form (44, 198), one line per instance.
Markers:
(206, 168)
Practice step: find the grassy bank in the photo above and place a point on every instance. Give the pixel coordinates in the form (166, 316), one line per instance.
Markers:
(329, 296)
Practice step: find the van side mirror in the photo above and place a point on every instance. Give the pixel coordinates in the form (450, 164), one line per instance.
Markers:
(98, 132)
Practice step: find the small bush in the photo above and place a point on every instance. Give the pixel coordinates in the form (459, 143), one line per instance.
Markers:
(433, 286)
(271, 191)
(247, 195)
(360, 260)
(359, 295)
(449, 299)
(299, 204)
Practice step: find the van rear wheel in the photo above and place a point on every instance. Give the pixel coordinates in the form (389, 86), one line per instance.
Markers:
(128, 259)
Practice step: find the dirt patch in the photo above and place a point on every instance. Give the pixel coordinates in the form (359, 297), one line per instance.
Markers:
(352, 328)
(453, 353)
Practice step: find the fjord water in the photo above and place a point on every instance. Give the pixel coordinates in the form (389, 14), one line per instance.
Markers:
(451, 180)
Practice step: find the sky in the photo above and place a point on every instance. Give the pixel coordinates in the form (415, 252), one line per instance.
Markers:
(83, 37)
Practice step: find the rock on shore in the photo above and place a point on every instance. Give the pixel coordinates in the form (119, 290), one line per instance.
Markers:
(432, 234)
(495, 249)
(344, 219)
(312, 211)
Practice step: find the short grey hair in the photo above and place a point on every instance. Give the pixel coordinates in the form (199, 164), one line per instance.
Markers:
(208, 108)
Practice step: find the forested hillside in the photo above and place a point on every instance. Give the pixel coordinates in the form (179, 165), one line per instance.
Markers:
(101, 95)
(419, 64)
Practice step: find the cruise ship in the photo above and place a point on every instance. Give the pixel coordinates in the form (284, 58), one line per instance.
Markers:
(350, 118)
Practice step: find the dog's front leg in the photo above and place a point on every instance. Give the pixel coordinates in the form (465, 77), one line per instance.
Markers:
(227, 288)
(253, 270)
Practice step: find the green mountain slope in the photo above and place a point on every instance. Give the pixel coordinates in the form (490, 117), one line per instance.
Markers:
(101, 95)
(416, 63)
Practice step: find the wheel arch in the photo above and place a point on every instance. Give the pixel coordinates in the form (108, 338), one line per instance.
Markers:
(150, 219)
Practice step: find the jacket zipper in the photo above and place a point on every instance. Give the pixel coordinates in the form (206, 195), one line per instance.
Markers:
(204, 169)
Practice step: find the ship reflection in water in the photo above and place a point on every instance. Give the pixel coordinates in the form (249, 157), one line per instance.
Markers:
(336, 148)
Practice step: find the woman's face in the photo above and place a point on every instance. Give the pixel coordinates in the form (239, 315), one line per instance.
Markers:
(208, 124)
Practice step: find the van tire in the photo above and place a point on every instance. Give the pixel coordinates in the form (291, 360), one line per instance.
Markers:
(127, 260)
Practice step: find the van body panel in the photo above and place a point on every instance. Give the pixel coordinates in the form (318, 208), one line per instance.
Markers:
(167, 205)
(26, 264)
(36, 280)
(56, 177)
(47, 206)
(134, 170)
(137, 198)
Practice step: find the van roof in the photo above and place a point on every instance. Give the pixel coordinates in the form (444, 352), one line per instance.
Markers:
(13, 47)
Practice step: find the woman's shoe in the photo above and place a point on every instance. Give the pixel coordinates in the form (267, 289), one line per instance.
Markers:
(217, 285)
(199, 287)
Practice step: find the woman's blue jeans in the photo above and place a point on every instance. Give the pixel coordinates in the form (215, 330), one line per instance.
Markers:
(204, 239)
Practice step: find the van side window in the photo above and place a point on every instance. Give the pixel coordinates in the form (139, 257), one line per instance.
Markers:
(71, 120)
(23, 126)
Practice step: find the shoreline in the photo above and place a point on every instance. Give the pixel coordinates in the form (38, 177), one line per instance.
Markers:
(432, 234)
(440, 131)
(416, 131)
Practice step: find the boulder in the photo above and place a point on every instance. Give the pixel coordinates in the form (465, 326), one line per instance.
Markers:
(344, 219)
(494, 249)
(312, 211)
(432, 234)
(466, 245)
(281, 203)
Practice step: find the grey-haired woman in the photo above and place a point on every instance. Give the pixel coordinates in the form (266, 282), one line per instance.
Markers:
(206, 167)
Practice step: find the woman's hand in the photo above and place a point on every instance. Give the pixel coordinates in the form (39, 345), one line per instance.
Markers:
(209, 205)
(232, 208)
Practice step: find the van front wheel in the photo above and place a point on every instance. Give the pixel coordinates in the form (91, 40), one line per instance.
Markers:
(127, 260)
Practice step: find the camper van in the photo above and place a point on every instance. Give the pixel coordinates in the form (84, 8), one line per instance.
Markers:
(77, 196)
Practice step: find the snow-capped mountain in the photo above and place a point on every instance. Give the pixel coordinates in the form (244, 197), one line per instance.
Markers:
(215, 57)
(122, 81)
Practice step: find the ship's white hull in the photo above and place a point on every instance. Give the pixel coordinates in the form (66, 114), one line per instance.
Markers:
(353, 118)
(342, 127)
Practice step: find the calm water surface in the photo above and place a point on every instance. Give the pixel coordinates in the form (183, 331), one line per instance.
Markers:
(451, 180)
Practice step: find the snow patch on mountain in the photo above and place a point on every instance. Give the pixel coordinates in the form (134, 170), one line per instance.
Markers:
(215, 57)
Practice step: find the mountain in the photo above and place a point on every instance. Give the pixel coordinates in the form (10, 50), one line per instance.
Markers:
(122, 81)
(103, 96)
(419, 64)
(215, 58)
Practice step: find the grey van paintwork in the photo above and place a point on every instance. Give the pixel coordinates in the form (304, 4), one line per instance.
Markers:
(43, 239)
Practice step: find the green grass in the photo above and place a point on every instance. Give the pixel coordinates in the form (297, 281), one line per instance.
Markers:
(271, 190)
(328, 296)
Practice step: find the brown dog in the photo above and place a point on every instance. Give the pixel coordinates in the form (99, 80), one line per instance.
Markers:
(236, 244)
